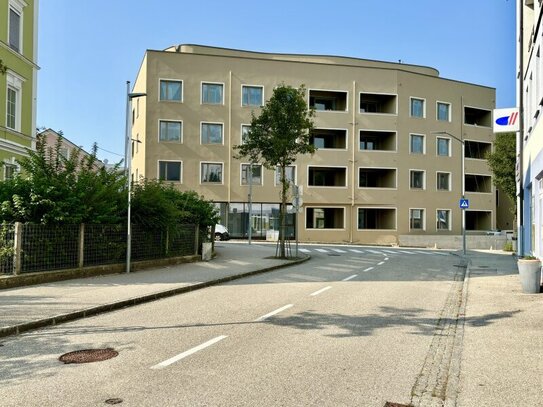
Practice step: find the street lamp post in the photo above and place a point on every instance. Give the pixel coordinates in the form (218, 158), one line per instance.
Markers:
(461, 140)
(127, 166)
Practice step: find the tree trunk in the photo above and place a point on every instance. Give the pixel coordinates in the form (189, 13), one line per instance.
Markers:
(282, 212)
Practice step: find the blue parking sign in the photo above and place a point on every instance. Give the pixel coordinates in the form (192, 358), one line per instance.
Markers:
(464, 203)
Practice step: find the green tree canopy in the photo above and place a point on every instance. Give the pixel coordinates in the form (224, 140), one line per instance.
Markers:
(502, 162)
(54, 189)
(278, 136)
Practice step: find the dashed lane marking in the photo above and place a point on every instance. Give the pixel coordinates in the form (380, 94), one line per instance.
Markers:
(189, 352)
(350, 277)
(270, 314)
(320, 291)
(369, 269)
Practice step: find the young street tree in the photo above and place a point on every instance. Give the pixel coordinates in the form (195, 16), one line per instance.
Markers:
(277, 136)
(502, 163)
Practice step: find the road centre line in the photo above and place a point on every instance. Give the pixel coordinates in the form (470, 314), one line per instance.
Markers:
(350, 277)
(270, 314)
(369, 268)
(320, 291)
(189, 352)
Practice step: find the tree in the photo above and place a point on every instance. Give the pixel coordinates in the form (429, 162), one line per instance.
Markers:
(53, 189)
(502, 163)
(3, 67)
(277, 136)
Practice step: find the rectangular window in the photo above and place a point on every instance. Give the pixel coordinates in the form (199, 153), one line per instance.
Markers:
(443, 111)
(212, 93)
(252, 96)
(416, 179)
(416, 144)
(211, 133)
(9, 171)
(443, 219)
(328, 100)
(325, 218)
(14, 30)
(171, 90)
(211, 173)
(290, 174)
(170, 131)
(244, 132)
(12, 100)
(416, 219)
(169, 170)
(257, 174)
(417, 107)
(377, 140)
(327, 176)
(443, 146)
(377, 218)
(443, 181)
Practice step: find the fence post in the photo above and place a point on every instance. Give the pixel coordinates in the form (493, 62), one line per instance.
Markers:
(196, 238)
(17, 245)
(81, 254)
(167, 241)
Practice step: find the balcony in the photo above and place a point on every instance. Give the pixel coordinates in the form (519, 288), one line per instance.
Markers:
(477, 117)
(376, 140)
(478, 183)
(333, 139)
(378, 103)
(327, 100)
(477, 149)
(377, 177)
(327, 176)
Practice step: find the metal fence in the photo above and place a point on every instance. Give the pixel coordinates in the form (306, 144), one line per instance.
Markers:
(28, 248)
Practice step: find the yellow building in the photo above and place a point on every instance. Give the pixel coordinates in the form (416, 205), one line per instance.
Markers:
(18, 81)
(388, 168)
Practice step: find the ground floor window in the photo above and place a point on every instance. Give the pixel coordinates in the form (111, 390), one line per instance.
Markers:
(443, 219)
(325, 218)
(416, 219)
(377, 218)
(478, 220)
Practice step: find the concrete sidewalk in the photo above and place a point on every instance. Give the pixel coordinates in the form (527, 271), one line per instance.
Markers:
(502, 345)
(26, 308)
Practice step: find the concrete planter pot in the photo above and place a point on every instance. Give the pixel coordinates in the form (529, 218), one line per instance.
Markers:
(530, 275)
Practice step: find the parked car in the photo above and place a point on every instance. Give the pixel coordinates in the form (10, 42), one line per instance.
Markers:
(221, 232)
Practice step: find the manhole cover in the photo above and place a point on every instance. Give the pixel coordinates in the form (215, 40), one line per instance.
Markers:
(88, 355)
(114, 401)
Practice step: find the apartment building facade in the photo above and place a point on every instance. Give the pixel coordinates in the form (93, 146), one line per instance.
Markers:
(18, 81)
(530, 140)
(389, 140)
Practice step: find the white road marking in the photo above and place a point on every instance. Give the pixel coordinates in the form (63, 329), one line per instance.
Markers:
(391, 251)
(374, 251)
(189, 352)
(277, 311)
(350, 277)
(441, 254)
(342, 265)
(339, 251)
(320, 291)
(380, 263)
(305, 250)
(405, 251)
(356, 251)
(322, 250)
(359, 261)
(421, 252)
(369, 268)
(386, 258)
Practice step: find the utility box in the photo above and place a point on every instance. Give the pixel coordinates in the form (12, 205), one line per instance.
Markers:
(207, 251)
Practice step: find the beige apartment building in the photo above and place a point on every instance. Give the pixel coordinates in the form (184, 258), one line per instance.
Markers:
(389, 138)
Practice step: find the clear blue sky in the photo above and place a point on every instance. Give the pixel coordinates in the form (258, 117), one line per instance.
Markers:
(87, 50)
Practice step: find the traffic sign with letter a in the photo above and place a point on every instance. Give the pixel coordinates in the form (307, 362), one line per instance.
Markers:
(464, 203)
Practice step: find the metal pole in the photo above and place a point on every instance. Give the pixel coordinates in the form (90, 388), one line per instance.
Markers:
(128, 161)
(463, 196)
(250, 179)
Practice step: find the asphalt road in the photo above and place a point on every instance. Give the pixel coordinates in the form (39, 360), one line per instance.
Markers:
(351, 327)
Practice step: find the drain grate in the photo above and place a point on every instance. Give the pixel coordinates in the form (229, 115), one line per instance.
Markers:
(88, 355)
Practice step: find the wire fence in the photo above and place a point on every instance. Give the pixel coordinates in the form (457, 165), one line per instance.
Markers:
(57, 247)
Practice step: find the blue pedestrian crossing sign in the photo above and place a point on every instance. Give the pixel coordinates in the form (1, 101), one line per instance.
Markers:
(464, 203)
